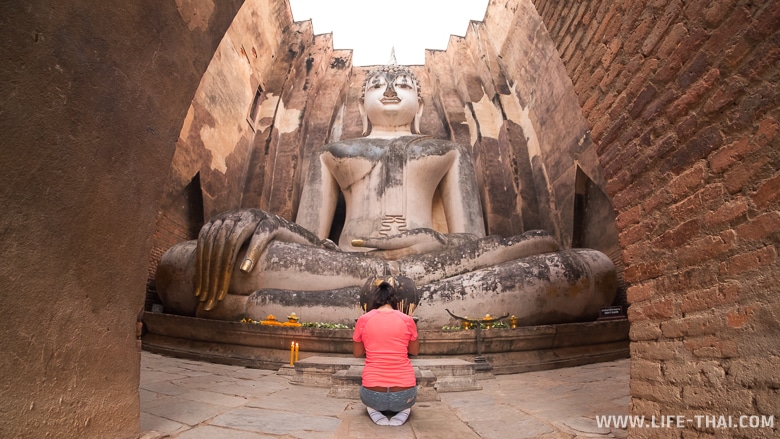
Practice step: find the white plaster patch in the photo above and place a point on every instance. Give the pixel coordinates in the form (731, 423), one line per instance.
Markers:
(521, 116)
(196, 13)
(472, 124)
(288, 120)
(266, 112)
(213, 140)
(338, 126)
(490, 118)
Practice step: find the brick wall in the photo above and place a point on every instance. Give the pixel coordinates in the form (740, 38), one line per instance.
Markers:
(682, 98)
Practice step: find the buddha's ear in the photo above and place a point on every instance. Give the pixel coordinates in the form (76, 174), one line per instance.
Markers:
(363, 116)
(418, 117)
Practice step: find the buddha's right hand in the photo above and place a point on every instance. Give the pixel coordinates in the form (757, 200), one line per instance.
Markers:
(221, 239)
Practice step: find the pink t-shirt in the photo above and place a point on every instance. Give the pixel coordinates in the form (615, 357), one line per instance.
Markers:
(386, 336)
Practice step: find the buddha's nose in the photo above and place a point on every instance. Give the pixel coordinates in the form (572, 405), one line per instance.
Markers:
(390, 90)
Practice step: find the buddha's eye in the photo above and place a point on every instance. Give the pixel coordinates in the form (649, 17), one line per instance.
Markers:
(403, 82)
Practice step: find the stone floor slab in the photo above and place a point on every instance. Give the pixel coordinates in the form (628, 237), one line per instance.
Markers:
(186, 399)
(277, 422)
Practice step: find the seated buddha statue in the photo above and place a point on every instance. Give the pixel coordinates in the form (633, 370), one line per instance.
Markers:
(412, 209)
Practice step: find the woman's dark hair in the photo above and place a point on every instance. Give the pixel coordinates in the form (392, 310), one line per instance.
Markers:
(384, 294)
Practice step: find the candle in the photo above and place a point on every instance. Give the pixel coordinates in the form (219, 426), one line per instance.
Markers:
(296, 351)
(292, 352)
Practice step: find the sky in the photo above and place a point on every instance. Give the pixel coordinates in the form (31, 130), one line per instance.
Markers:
(373, 28)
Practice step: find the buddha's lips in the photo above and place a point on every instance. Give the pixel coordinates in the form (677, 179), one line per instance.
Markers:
(390, 100)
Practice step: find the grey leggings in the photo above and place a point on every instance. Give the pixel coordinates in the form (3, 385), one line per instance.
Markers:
(388, 401)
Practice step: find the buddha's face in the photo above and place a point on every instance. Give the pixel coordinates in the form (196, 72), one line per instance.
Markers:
(391, 100)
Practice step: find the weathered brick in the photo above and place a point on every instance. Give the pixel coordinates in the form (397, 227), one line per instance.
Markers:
(699, 327)
(645, 370)
(611, 52)
(638, 190)
(729, 30)
(660, 309)
(629, 216)
(726, 156)
(708, 139)
(657, 106)
(642, 330)
(617, 181)
(640, 272)
(736, 53)
(633, 234)
(639, 406)
(716, 11)
(728, 93)
(641, 101)
(767, 20)
(657, 351)
(739, 317)
(708, 198)
(706, 248)
(635, 38)
(693, 94)
(675, 328)
(726, 213)
(745, 262)
(661, 25)
(642, 77)
(707, 397)
(671, 40)
(686, 128)
(694, 373)
(662, 393)
(679, 235)
(671, 65)
(695, 68)
(760, 227)
(701, 300)
(743, 172)
(640, 292)
(605, 21)
(689, 181)
(711, 346)
(767, 193)
(641, 251)
(755, 371)
(748, 107)
(657, 200)
(768, 401)
(689, 279)
(766, 133)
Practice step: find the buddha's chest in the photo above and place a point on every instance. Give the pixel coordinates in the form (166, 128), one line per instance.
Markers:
(388, 165)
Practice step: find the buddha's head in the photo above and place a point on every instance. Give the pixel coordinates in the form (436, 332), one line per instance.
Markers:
(391, 97)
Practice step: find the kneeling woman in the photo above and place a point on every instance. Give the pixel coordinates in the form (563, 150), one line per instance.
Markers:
(387, 337)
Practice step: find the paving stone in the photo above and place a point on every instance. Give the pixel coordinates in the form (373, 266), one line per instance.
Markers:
(183, 411)
(150, 422)
(247, 388)
(312, 401)
(214, 398)
(156, 376)
(277, 422)
(167, 388)
(212, 432)
(584, 425)
(186, 399)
